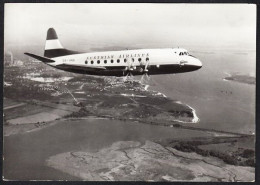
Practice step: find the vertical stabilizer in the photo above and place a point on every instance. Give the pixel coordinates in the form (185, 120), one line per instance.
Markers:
(53, 47)
(52, 41)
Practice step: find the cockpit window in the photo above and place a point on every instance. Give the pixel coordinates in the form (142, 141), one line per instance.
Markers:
(184, 53)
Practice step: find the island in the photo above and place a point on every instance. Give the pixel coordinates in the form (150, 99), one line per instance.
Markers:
(242, 79)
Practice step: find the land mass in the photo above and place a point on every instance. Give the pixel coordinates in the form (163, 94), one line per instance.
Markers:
(149, 161)
(242, 79)
(39, 96)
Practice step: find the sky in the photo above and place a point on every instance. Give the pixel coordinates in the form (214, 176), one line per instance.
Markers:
(132, 25)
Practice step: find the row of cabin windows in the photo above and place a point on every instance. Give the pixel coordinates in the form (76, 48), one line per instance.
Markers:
(118, 61)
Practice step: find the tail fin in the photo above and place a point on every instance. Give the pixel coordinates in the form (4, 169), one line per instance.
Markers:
(53, 47)
(52, 41)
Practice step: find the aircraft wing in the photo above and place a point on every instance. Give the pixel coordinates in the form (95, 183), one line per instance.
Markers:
(80, 66)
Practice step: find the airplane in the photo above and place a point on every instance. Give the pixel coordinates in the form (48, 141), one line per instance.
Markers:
(117, 63)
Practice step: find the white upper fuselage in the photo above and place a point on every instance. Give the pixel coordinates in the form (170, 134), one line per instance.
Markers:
(129, 57)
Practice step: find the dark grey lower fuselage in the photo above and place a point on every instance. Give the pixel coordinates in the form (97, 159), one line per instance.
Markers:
(120, 70)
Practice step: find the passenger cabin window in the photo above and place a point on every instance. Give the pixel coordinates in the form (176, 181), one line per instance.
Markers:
(112, 61)
(86, 62)
(139, 59)
(147, 59)
(98, 61)
(125, 60)
(118, 60)
(105, 61)
(92, 62)
(133, 59)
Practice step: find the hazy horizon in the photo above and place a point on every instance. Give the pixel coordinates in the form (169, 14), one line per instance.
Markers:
(86, 26)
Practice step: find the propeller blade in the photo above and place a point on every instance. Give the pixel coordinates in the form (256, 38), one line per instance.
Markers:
(146, 66)
(142, 78)
(145, 78)
(125, 77)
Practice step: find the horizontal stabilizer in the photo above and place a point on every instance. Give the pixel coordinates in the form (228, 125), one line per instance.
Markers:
(43, 59)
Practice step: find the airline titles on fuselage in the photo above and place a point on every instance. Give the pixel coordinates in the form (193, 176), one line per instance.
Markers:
(120, 56)
(100, 57)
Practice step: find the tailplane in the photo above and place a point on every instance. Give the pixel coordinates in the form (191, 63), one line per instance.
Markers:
(43, 59)
(53, 47)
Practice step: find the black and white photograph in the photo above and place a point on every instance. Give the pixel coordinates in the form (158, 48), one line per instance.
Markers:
(129, 92)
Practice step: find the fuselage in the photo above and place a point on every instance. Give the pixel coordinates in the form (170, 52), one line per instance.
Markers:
(116, 63)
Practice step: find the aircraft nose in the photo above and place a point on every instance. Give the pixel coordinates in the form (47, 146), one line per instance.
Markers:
(198, 63)
(195, 63)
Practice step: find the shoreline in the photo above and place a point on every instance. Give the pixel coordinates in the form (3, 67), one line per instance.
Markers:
(243, 79)
(69, 124)
(171, 124)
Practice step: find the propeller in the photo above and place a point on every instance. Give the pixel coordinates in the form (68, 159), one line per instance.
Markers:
(128, 69)
(145, 77)
(143, 69)
(146, 66)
